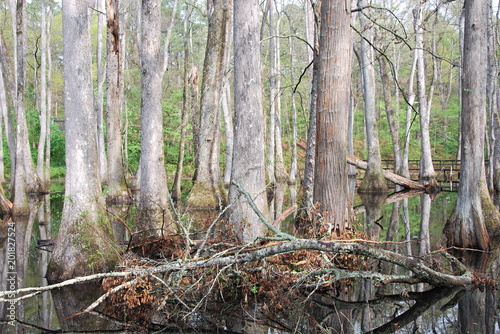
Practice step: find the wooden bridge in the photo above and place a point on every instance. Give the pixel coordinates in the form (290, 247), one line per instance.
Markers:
(446, 170)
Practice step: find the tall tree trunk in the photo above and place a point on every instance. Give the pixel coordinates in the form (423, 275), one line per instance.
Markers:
(334, 80)
(493, 112)
(374, 180)
(117, 186)
(26, 179)
(312, 31)
(44, 107)
(99, 99)
(426, 166)
(248, 168)
(189, 96)
(391, 113)
(208, 190)
(84, 242)
(405, 171)
(229, 131)
(153, 207)
(4, 109)
(10, 90)
(467, 226)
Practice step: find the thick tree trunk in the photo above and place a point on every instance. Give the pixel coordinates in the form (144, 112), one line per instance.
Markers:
(84, 242)
(208, 190)
(334, 86)
(154, 213)
(248, 168)
(467, 227)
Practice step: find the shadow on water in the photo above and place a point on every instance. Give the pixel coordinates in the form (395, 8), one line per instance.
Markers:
(412, 225)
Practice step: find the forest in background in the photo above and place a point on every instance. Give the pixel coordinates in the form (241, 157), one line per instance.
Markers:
(394, 38)
(135, 92)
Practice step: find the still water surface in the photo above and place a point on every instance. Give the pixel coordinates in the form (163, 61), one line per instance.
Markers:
(415, 223)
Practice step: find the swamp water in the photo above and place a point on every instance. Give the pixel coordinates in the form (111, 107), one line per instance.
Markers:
(414, 225)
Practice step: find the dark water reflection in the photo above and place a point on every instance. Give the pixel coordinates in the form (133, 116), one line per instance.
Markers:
(415, 223)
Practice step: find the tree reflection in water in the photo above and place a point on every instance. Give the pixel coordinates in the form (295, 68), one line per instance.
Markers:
(360, 306)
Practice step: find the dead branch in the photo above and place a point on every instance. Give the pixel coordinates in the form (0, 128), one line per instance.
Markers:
(420, 272)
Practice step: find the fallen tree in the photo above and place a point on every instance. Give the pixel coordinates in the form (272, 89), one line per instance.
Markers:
(394, 178)
(277, 270)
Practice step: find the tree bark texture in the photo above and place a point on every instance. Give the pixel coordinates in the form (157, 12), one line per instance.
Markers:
(84, 243)
(153, 207)
(117, 186)
(467, 228)
(25, 178)
(373, 181)
(208, 190)
(334, 80)
(248, 167)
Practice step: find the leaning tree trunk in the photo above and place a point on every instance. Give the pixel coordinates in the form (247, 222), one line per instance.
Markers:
(208, 190)
(331, 188)
(117, 186)
(467, 226)
(154, 215)
(85, 242)
(373, 181)
(248, 168)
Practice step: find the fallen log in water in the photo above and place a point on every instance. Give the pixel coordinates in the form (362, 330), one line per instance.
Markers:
(394, 178)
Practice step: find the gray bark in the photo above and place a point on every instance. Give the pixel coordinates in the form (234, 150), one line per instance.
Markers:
(426, 166)
(308, 182)
(467, 227)
(44, 107)
(153, 207)
(117, 186)
(83, 244)
(373, 181)
(25, 178)
(229, 134)
(248, 168)
(208, 191)
(99, 99)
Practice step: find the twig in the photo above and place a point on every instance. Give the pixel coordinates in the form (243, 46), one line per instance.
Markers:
(263, 219)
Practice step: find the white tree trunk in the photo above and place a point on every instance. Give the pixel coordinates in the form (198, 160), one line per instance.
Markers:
(426, 166)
